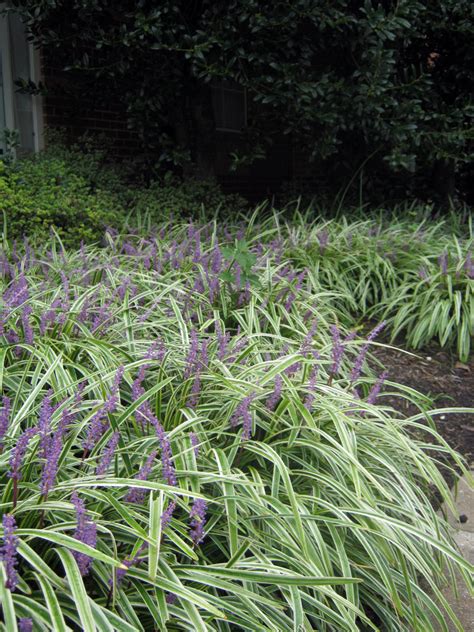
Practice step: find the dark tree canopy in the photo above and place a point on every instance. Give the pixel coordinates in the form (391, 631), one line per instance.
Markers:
(345, 80)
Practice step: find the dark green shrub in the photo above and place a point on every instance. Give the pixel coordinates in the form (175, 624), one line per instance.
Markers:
(40, 193)
(74, 191)
(172, 196)
(89, 157)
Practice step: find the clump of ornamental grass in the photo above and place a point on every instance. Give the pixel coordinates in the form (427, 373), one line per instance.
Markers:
(417, 275)
(436, 301)
(191, 439)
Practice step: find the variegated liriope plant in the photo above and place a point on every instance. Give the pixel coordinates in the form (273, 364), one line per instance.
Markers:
(180, 451)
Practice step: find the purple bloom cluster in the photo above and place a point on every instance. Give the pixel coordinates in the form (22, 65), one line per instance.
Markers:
(108, 454)
(359, 362)
(198, 520)
(25, 322)
(443, 263)
(192, 357)
(17, 293)
(275, 397)
(167, 515)
(121, 572)
(469, 266)
(18, 453)
(375, 390)
(25, 624)
(137, 494)
(157, 351)
(53, 452)
(146, 415)
(48, 318)
(222, 342)
(168, 471)
(292, 294)
(197, 360)
(423, 273)
(313, 376)
(86, 532)
(242, 413)
(8, 552)
(323, 238)
(98, 424)
(195, 443)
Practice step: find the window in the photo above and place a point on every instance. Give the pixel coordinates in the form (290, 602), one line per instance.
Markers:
(19, 110)
(230, 106)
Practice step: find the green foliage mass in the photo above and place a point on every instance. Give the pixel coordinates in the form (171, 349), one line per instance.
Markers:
(171, 196)
(78, 194)
(344, 80)
(49, 192)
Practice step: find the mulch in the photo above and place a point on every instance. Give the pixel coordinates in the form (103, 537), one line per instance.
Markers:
(437, 373)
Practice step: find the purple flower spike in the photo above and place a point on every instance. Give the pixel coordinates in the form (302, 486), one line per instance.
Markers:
(86, 532)
(121, 572)
(195, 391)
(358, 364)
(169, 473)
(137, 494)
(308, 339)
(8, 552)
(170, 598)
(17, 293)
(18, 453)
(50, 467)
(469, 266)
(443, 263)
(195, 443)
(375, 390)
(167, 515)
(25, 624)
(423, 273)
(323, 238)
(157, 351)
(274, 398)
(98, 423)
(216, 261)
(308, 403)
(25, 322)
(198, 520)
(192, 356)
(4, 419)
(222, 342)
(242, 412)
(108, 454)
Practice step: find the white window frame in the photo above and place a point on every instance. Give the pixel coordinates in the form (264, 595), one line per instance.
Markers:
(219, 89)
(9, 86)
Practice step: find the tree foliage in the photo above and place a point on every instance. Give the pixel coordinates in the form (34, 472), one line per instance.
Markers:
(345, 80)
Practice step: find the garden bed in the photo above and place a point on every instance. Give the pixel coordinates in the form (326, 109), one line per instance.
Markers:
(192, 437)
(438, 374)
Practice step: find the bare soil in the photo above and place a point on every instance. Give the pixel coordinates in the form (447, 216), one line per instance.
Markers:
(438, 374)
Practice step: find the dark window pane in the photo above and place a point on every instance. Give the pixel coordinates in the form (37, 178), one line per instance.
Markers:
(229, 105)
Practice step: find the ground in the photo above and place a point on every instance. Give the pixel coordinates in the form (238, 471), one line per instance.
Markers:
(437, 373)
